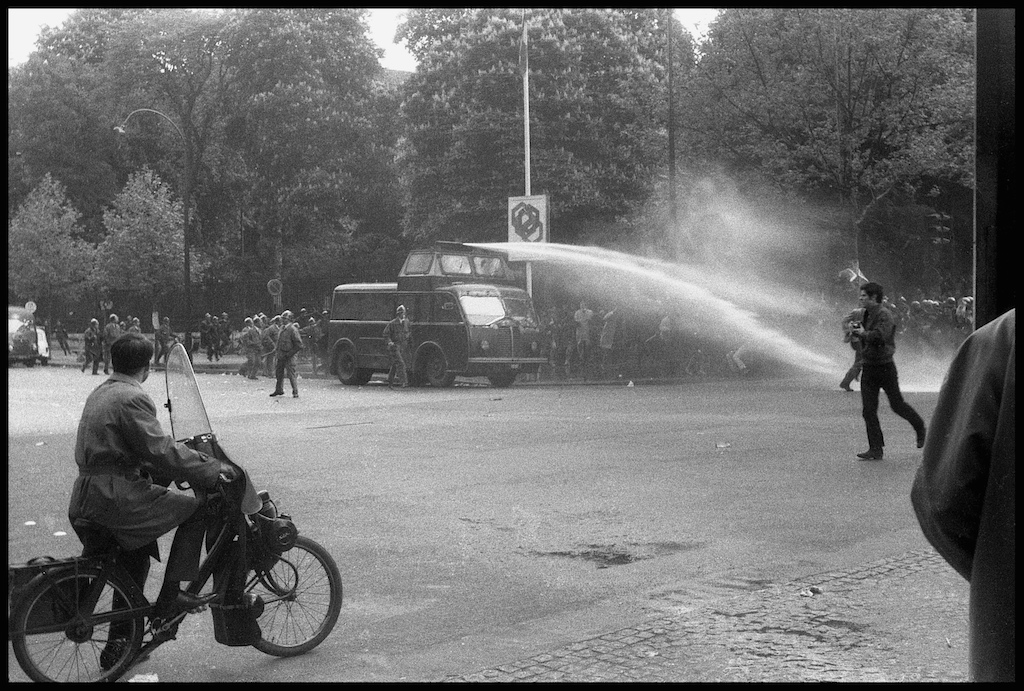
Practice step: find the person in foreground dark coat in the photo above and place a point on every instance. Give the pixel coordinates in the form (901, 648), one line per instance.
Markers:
(964, 491)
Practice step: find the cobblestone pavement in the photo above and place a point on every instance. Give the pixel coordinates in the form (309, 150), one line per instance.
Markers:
(903, 618)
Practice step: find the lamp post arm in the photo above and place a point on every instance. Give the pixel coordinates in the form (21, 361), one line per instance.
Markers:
(186, 197)
(156, 112)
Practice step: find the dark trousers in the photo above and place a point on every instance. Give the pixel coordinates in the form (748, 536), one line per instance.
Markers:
(93, 357)
(875, 378)
(286, 367)
(187, 548)
(136, 564)
(397, 357)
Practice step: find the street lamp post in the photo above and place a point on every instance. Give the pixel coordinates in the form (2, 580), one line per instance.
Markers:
(186, 194)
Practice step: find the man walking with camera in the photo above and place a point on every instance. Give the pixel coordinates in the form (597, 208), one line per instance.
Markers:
(877, 335)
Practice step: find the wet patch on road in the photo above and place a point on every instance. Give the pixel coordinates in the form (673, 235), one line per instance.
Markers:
(606, 556)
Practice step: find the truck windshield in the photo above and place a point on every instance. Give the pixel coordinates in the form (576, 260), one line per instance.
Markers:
(485, 310)
(482, 310)
(522, 312)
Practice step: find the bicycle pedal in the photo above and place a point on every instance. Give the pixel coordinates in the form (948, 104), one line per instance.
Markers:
(167, 632)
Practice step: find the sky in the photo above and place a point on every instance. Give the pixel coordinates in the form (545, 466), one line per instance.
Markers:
(24, 24)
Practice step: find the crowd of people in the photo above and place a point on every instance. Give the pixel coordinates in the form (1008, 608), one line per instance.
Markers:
(216, 336)
(580, 340)
(613, 342)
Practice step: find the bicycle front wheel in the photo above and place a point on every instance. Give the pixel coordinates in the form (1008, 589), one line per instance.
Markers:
(54, 643)
(303, 594)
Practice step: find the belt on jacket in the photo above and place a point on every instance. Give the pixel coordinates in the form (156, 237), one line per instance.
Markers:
(123, 471)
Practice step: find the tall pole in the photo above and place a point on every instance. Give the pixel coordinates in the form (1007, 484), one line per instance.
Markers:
(186, 193)
(524, 68)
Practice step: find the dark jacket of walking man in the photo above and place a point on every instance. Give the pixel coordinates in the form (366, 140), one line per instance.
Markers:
(93, 338)
(289, 343)
(398, 336)
(877, 335)
(111, 332)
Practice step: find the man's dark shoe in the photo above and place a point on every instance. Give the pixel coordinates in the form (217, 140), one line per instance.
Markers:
(183, 602)
(277, 393)
(112, 652)
(295, 394)
(845, 387)
(871, 455)
(920, 438)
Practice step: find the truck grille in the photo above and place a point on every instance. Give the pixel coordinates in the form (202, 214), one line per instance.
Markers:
(501, 346)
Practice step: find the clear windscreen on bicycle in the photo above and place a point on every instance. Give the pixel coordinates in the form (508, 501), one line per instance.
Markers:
(187, 412)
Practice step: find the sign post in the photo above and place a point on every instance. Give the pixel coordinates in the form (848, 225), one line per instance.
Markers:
(274, 287)
(528, 222)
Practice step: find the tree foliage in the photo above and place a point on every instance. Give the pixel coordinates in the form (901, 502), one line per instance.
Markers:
(299, 159)
(596, 117)
(143, 252)
(852, 103)
(866, 111)
(46, 260)
(304, 126)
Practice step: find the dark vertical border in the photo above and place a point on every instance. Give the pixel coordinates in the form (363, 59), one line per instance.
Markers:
(996, 174)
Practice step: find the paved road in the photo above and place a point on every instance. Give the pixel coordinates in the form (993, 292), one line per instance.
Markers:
(667, 532)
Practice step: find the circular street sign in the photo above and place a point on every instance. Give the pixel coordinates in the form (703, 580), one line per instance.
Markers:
(30, 306)
(274, 287)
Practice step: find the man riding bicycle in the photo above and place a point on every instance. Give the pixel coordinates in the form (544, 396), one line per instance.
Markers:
(125, 464)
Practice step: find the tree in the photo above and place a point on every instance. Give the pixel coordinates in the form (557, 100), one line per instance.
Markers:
(597, 124)
(304, 127)
(46, 261)
(855, 106)
(143, 252)
(58, 113)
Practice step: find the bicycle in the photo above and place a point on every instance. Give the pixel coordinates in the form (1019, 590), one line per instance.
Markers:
(85, 619)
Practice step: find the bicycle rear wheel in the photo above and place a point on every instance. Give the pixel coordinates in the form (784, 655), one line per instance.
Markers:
(303, 600)
(54, 644)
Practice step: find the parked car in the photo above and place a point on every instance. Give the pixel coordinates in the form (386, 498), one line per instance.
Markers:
(26, 342)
